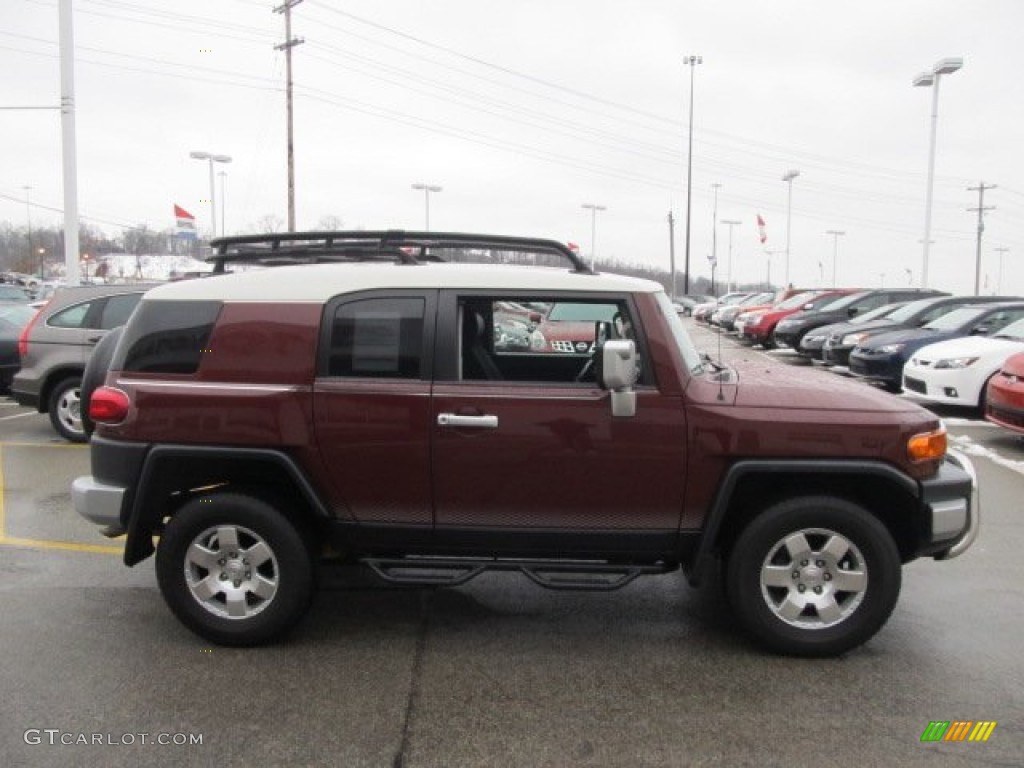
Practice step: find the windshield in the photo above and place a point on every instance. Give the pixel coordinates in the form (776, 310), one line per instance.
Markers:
(16, 315)
(758, 298)
(883, 311)
(1014, 331)
(907, 311)
(842, 302)
(689, 352)
(798, 300)
(957, 318)
(13, 293)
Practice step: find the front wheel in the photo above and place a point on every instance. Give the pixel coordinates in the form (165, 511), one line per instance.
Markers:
(234, 570)
(814, 576)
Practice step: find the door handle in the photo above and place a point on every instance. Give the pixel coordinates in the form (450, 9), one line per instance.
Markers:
(478, 422)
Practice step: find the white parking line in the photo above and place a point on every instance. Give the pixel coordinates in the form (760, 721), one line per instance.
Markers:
(17, 416)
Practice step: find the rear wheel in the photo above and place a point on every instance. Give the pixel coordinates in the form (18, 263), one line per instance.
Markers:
(234, 570)
(65, 407)
(814, 576)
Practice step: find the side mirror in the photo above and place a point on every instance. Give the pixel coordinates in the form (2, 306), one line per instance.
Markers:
(981, 330)
(852, 311)
(617, 372)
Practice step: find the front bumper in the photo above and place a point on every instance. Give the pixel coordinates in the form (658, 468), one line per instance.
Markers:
(886, 368)
(836, 355)
(954, 500)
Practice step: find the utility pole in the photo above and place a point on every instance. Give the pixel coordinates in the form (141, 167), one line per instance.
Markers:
(289, 43)
(672, 251)
(980, 189)
(999, 285)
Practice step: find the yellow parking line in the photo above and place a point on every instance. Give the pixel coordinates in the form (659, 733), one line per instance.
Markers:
(17, 541)
(67, 546)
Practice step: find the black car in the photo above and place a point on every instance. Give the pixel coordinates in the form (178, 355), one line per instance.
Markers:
(14, 316)
(813, 341)
(880, 358)
(843, 337)
(790, 331)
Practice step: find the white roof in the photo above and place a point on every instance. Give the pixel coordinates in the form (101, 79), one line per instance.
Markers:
(320, 282)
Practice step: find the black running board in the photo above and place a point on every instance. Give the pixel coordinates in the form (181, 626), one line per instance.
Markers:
(550, 574)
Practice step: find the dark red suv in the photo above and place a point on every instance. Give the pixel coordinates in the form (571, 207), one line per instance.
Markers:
(258, 422)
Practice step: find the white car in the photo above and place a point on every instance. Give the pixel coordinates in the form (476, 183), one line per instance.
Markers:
(955, 372)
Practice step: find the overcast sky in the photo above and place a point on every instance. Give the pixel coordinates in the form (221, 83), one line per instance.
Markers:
(523, 111)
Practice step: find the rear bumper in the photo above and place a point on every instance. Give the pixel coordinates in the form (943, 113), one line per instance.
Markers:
(99, 503)
(23, 397)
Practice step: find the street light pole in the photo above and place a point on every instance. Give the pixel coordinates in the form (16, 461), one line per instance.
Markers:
(691, 62)
(728, 272)
(28, 216)
(836, 234)
(999, 285)
(788, 178)
(223, 202)
(932, 78)
(593, 208)
(211, 159)
(427, 189)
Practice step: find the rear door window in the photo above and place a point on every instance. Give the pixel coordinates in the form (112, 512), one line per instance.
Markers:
(377, 338)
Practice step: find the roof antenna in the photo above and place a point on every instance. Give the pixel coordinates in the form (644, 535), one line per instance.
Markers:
(721, 387)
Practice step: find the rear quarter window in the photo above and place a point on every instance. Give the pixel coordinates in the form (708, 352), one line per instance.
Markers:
(166, 337)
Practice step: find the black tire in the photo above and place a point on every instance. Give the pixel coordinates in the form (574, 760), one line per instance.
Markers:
(794, 605)
(248, 559)
(65, 409)
(96, 373)
(983, 395)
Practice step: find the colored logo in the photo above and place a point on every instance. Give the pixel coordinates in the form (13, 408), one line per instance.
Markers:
(958, 730)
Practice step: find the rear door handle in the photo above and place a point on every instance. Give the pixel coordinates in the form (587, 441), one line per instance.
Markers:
(477, 422)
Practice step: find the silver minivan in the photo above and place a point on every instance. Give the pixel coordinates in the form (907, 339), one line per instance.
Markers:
(56, 345)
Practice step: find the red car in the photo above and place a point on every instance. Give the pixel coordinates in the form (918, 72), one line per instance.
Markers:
(758, 326)
(568, 327)
(1005, 395)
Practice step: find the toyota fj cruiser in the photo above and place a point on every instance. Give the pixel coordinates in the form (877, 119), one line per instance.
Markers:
(255, 422)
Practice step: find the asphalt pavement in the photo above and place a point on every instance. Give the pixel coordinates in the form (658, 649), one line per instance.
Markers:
(94, 670)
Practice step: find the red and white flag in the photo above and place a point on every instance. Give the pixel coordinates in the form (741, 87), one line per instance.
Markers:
(185, 223)
(761, 231)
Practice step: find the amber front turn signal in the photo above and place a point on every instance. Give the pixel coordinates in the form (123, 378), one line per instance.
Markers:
(927, 446)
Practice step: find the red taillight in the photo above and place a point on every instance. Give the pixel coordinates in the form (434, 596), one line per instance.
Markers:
(23, 336)
(108, 405)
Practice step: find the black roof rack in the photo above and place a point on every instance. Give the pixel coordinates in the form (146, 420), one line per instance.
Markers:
(396, 245)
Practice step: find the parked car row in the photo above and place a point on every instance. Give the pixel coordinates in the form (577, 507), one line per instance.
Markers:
(952, 350)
